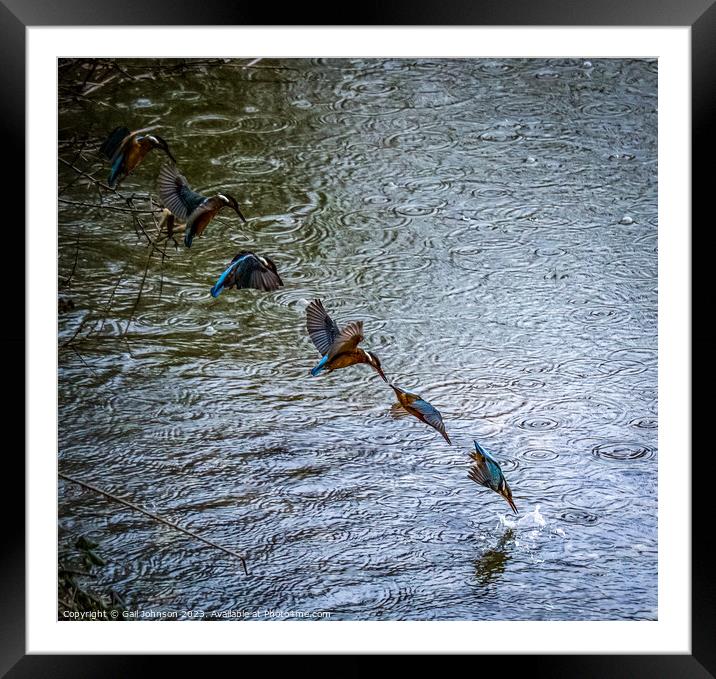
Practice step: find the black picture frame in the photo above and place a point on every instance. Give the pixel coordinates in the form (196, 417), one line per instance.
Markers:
(16, 15)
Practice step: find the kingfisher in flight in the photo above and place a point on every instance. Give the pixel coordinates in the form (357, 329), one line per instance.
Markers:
(188, 205)
(338, 346)
(248, 270)
(421, 409)
(126, 149)
(487, 472)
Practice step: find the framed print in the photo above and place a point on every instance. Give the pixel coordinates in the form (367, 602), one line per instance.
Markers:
(380, 327)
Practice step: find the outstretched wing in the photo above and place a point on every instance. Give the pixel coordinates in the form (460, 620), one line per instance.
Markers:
(350, 336)
(254, 271)
(431, 416)
(248, 270)
(176, 194)
(267, 278)
(321, 328)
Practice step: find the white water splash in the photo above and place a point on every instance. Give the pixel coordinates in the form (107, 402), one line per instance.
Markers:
(532, 519)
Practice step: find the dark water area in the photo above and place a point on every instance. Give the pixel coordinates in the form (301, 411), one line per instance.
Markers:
(493, 223)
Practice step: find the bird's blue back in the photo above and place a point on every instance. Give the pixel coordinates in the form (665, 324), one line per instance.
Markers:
(219, 285)
(491, 464)
(427, 410)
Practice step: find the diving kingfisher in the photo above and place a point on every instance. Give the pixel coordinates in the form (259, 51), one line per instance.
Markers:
(248, 270)
(487, 472)
(188, 205)
(421, 409)
(339, 347)
(126, 149)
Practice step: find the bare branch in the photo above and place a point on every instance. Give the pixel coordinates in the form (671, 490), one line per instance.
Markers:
(166, 522)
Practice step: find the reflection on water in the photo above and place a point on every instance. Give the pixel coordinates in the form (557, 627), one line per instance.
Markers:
(494, 223)
(492, 563)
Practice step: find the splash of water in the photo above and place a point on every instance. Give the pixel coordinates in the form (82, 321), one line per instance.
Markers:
(533, 519)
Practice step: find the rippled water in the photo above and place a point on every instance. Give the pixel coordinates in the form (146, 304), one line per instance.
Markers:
(494, 223)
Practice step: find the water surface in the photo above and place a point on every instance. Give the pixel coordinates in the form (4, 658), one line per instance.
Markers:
(493, 222)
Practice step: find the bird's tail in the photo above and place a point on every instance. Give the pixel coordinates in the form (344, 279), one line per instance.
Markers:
(219, 285)
(479, 449)
(320, 366)
(188, 236)
(114, 172)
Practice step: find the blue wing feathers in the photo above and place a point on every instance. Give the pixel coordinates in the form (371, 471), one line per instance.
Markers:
(219, 285)
(493, 466)
(487, 455)
(425, 408)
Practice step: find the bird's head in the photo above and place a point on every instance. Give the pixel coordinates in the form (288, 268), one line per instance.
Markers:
(374, 362)
(159, 143)
(231, 202)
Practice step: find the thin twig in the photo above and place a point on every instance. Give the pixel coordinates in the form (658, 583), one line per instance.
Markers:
(95, 86)
(72, 571)
(90, 73)
(139, 294)
(87, 365)
(122, 70)
(68, 342)
(137, 508)
(68, 280)
(107, 207)
(111, 298)
(69, 184)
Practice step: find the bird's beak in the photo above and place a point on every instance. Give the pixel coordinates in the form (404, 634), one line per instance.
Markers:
(238, 212)
(382, 374)
(174, 160)
(509, 501)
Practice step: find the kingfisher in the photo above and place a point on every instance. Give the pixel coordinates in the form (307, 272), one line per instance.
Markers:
(421, 409)
(487, 472)
(248, 270)
(188, 205)
(338, 346)
(126, 149)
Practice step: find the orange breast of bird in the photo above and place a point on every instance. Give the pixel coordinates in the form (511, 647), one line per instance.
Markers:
(134, 153)
(202, 220)
(344, 360)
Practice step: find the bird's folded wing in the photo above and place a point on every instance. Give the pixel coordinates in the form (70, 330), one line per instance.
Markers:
(321, 328)
(176, 193)
(430, 415)
(350, 336)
